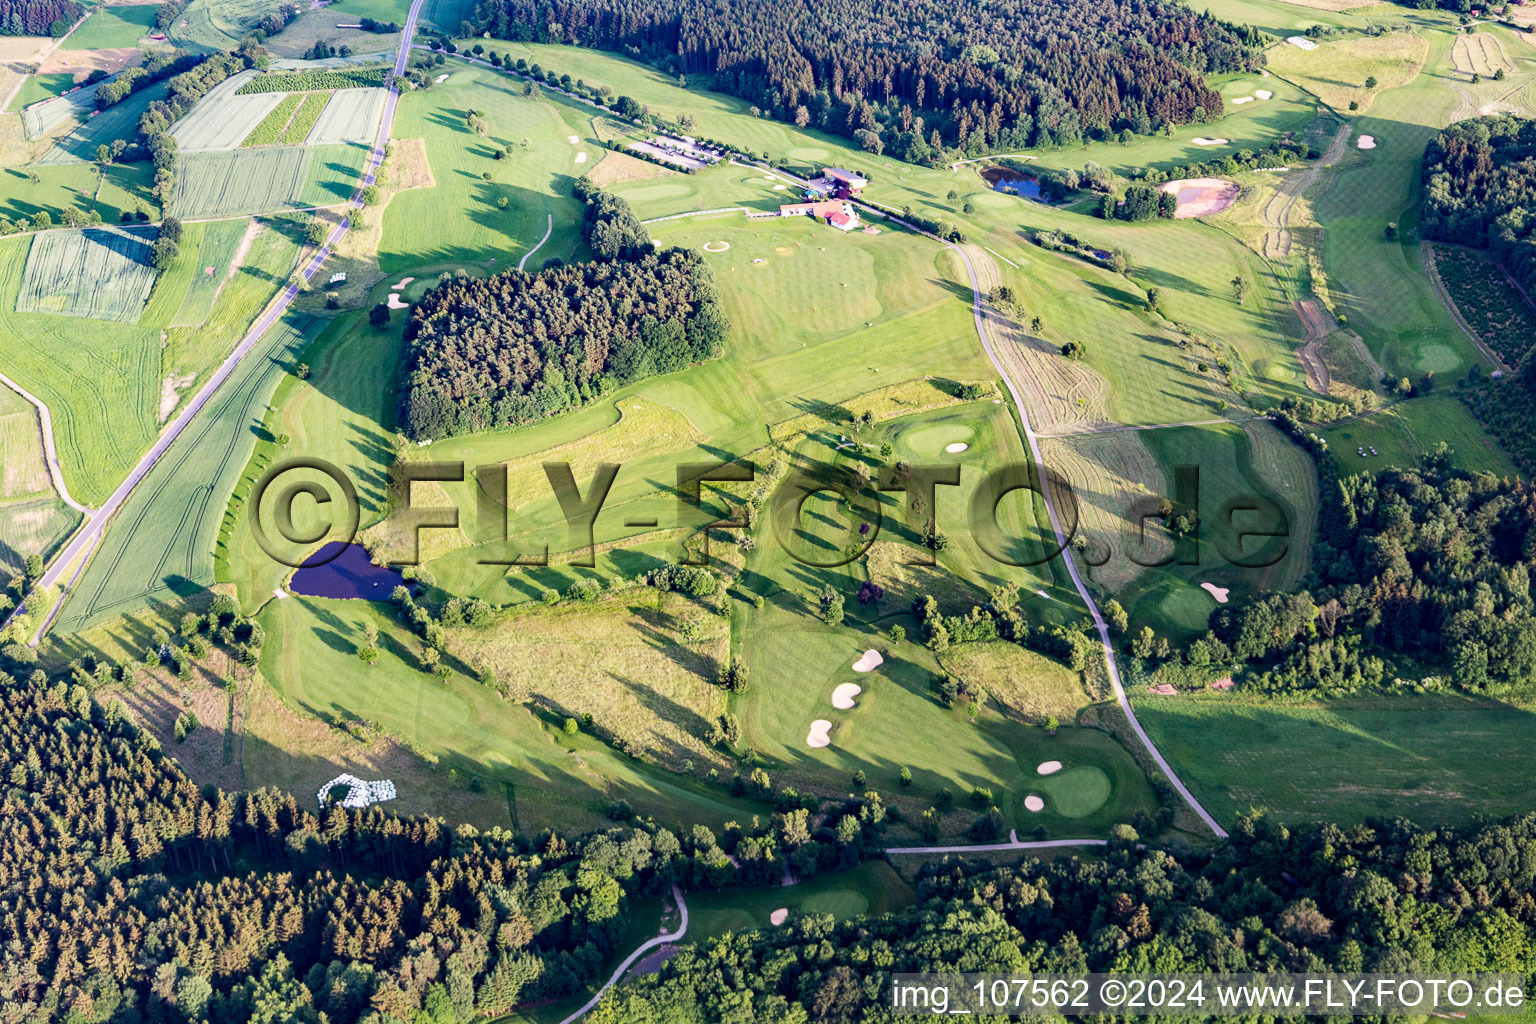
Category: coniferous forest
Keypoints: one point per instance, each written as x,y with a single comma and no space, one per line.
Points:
1480,190
912,79
515,348
37,17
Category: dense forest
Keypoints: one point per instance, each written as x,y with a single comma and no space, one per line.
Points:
37,17
1480,190
514,348
915,78
1389,898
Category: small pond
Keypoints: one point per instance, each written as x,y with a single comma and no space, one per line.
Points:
1018,183
346,572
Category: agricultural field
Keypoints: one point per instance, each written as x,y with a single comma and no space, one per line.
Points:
101,384
43,86
297,130
265,180
118,121
217,255
33,521
314,81
1431,759
352,115
124,188
272,126
1479,53
1337,70
217,24
1489,302
319,26
222,119
45,117
104,273
33,527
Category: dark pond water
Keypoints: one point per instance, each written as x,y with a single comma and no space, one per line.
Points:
347,573
1017,183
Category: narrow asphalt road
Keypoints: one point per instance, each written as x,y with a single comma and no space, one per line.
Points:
97,521
640,950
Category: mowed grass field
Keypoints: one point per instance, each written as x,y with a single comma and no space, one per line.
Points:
1336,71
1437,760
109,27
1404,432
459,221
59,187
870,889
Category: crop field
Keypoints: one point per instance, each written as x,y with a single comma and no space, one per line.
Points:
272,125
1478,53
447,15
1336,71
216,245
352,115
319,26
1404,432
315,81
1431,759
103,273
222,119
33,527
42,86
161,546
1487,300
265,180
304,119
118,121
114,26
100,384
45,117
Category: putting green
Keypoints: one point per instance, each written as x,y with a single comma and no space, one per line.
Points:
1076,792
1439,358
1187,605
840,903
931,440
1272,370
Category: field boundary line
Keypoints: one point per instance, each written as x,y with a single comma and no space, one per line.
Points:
640,950
547,232
1000,256
50,453
97,522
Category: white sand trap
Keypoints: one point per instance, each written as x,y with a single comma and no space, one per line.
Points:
1219,593
581,158
1048,767
819,736
1263,94
868,661
778,188
1366,142
573,139
441,78
842,697
1034,804
956,448
716,246
779,916
1241,100
280,594
1201,197
401,283
1209,142
395,302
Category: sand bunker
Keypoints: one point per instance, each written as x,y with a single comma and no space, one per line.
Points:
1201,197
280,594
1034,804
1366,142
842,697
401,283
441,78
581,158
1219,593
1048,767
1199,141
868,661
956,448
779,916
716,246
573,139
1241,100
395,302
819,736
778,188
1263,94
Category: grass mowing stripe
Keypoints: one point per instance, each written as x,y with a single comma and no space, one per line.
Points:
270,129
308,113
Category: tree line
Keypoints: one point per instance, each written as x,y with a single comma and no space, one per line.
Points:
921,81
1378,897
514,348
37,17
1480,190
